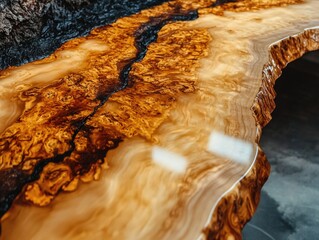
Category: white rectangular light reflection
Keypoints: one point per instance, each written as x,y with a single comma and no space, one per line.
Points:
232,148
170,160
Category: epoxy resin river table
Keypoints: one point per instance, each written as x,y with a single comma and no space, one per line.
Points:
148,128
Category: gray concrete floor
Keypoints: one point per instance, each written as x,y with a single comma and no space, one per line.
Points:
289,207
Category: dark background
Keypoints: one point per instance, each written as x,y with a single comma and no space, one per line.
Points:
289,207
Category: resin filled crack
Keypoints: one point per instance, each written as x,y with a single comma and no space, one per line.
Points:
152,109
16,178
42,26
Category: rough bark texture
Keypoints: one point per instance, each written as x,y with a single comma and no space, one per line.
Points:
30,29
167,81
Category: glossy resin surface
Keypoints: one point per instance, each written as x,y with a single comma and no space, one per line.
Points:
148,128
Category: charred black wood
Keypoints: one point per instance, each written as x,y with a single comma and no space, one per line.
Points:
32,29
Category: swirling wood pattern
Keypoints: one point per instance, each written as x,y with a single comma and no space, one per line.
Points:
163,108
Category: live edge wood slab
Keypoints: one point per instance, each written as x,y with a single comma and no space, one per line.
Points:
148,128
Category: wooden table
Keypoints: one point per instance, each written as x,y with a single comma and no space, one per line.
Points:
148,128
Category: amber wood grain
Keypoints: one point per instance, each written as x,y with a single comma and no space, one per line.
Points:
116,137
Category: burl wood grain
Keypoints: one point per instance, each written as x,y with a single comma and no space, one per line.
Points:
242,208
152,123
